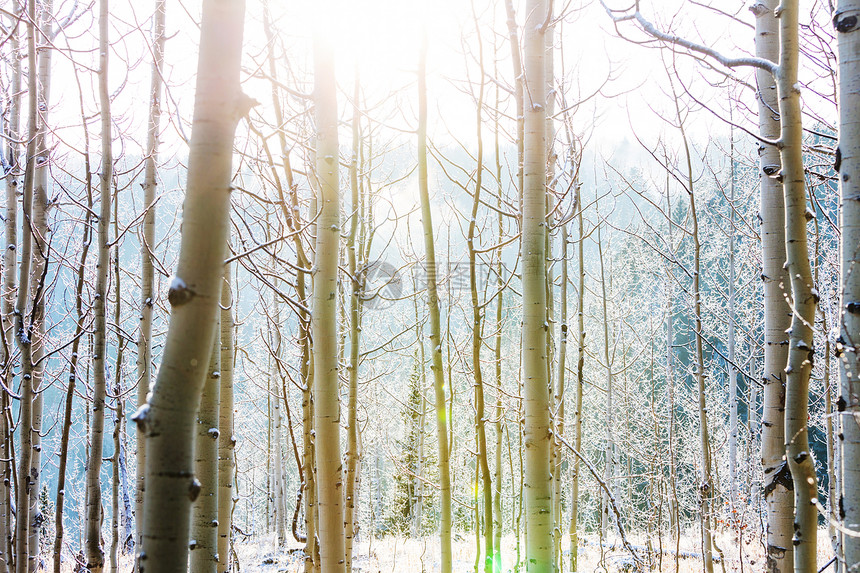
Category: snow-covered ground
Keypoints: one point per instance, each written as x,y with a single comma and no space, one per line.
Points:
400,555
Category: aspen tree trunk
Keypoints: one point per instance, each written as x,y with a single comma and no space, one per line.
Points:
312,490
352,445
846,20
115,461
118,393
734,510
538,494
418,484
477,339
435,323
560,399
7,318
777,487
270,472
309,464
327,407
226,440
674,511
169,417
126,510
86,242
24,321
801,353
312,497
204,518
556,407
706,485
833,469
147,274
580,365
519,83
609,446
95,512
277,456
499,413
38,271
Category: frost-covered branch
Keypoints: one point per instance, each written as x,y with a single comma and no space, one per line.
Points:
654,32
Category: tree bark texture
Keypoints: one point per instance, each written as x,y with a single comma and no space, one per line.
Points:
226,440
777,487
538,492
324,320
169,416
147,274
848,345
801,353
204,518
445,523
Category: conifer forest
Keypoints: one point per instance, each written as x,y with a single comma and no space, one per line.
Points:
414,286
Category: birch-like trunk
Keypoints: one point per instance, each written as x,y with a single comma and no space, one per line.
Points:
24,320
538,491
486,489
10,285
226,440
277,455
609,443
324,321
497,358
147,274
706,483
777,487
801,352
559,401
41,232
204,518
118,409
580,366
168,418
435,322
353,254
95,513
848,345
734,510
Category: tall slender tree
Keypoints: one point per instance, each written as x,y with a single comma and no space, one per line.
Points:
147,245
12,169
777,487
442,417
226,441
477,326
354,252
95,512
24,317
846,23
327,406
538,493
804,295
168,418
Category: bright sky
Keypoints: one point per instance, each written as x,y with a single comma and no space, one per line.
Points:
382,38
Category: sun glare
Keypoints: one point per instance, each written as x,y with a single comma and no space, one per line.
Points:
382,38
